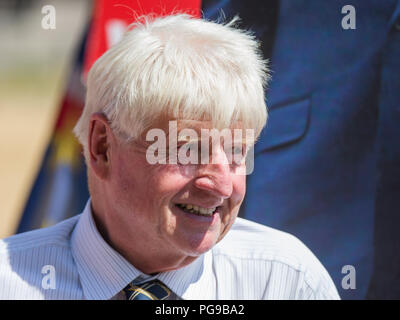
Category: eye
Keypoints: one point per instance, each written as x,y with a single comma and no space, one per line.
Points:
238,150
235,153
188,153
188,147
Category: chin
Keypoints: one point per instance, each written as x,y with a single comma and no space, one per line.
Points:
196,247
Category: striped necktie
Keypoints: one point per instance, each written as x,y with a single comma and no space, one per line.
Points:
151,290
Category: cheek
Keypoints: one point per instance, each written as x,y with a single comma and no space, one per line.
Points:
238,193
169,180
239,188
126,191
129,183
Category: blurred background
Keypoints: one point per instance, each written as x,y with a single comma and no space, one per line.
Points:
35,64
327,166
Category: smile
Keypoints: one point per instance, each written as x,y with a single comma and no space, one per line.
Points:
189,208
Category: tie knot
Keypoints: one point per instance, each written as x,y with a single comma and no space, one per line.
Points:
151,290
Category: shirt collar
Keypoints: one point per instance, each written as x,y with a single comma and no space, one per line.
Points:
104,272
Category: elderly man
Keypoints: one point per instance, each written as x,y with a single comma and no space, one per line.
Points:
165,190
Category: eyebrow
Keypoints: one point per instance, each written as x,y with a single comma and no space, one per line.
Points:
186,138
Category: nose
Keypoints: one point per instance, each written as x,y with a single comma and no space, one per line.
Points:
215,177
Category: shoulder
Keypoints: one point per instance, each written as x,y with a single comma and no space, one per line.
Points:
274,255
251,240
26,258
58,234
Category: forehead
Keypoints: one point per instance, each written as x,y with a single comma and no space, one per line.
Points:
190,130
165,123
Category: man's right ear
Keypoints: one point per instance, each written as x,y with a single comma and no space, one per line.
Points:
100,136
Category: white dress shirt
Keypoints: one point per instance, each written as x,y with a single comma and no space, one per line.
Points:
71,260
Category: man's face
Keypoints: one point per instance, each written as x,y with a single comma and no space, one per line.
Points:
179,208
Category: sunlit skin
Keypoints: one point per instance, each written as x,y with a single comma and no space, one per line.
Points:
134,202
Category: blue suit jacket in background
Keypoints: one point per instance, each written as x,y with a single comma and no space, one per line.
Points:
327,167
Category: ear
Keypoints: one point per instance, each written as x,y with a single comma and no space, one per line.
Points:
100,142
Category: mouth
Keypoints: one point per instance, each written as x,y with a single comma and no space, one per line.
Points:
197,210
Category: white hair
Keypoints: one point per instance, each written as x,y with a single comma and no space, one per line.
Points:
180,67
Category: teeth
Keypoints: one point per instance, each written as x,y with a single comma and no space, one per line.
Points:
197,210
